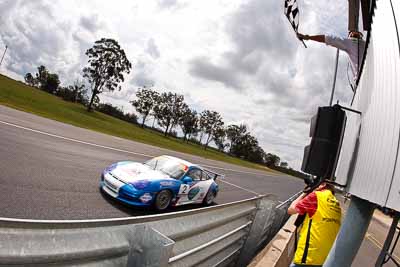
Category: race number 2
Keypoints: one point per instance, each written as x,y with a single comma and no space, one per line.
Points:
184,189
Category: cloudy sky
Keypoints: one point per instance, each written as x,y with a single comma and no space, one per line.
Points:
238,57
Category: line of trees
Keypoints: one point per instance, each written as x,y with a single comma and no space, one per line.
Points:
170,111
107,64
50,83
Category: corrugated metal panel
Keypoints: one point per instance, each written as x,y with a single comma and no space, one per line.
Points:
377,98
394,193
348,152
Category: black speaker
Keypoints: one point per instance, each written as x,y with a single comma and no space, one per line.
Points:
326,130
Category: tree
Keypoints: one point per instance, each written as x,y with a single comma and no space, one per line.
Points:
179,107
79,92
107,64
284,164
272,159
210,121
45,80
145,102
233,133
51,83
256,154
188,122
168,110
219,136
30,80
41,76
244,145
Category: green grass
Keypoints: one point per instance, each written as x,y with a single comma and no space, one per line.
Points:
22,97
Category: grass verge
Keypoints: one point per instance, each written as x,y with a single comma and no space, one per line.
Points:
17,95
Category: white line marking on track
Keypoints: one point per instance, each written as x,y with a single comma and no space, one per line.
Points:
253,192
75,140
119,150
225,169
115,149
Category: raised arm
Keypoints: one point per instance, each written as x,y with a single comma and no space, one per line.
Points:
292,210
317,38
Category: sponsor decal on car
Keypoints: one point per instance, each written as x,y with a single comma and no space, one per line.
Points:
167,183
193,192
146,198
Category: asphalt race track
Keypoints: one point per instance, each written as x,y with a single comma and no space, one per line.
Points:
50,170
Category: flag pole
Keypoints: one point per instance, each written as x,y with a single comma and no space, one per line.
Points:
334,77
1,61
303,43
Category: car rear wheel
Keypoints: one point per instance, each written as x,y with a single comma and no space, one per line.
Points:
209,199
163,199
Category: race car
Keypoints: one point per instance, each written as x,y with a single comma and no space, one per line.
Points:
160,182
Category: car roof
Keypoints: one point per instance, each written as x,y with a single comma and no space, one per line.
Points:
187,163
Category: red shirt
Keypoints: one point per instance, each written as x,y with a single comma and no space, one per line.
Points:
308,205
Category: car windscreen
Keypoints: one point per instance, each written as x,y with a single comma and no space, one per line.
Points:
168,166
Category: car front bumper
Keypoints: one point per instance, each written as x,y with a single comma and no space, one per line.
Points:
127,193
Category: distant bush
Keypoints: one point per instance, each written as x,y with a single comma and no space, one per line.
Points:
66,94
194,140
131,117
173,133
116,112
73,94
289,171
156,129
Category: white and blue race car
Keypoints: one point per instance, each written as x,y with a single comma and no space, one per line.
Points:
160,182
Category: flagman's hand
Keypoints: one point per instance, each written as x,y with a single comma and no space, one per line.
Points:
303,36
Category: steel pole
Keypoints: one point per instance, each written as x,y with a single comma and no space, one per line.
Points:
334,77
381,259
1,61
354,10
351,233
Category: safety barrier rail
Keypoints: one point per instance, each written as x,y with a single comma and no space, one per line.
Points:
222,235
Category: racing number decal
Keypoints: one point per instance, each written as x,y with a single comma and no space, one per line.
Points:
183,189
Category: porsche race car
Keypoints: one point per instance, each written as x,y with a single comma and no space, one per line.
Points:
160,182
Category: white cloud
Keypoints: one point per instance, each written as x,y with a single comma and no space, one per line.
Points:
240,58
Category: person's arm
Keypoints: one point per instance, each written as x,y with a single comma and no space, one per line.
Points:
305,203
292,208
317,38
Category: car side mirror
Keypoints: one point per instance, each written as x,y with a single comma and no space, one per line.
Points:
187,180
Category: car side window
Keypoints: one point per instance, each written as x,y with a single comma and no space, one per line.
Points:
205,176
195,174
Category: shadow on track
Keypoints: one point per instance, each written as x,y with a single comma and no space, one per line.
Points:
143,211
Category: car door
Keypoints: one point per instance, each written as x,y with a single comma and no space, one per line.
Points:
197,189
190,192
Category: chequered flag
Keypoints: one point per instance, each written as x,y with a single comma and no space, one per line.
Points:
292,13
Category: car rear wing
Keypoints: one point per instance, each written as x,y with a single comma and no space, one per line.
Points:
214,175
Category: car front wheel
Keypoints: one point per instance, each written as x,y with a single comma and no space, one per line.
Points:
163,199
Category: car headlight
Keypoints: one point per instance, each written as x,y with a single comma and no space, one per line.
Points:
111,167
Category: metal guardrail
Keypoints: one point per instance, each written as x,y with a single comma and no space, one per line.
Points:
290,200
223,235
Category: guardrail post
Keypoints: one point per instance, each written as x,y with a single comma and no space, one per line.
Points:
264,208
149,247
